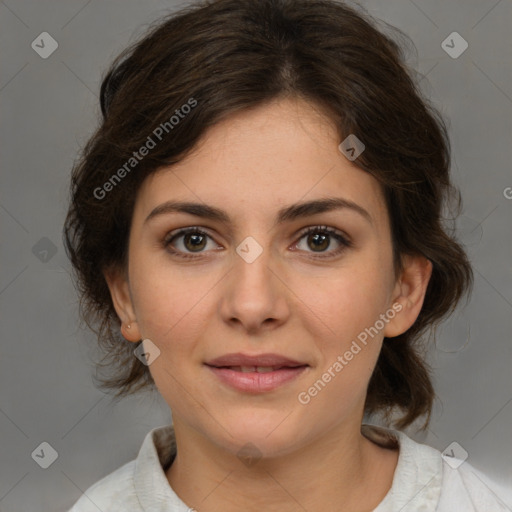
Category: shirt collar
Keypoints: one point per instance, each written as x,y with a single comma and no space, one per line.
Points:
416,482
151,485
418,475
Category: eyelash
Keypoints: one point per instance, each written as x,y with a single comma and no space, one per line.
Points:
344,241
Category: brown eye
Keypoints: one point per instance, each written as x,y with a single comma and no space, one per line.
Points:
319,239
194,242
185,242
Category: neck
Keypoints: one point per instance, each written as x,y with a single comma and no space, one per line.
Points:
341,471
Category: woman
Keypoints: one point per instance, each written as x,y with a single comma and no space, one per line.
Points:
262,206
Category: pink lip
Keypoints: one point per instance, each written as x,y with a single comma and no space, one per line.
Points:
253,381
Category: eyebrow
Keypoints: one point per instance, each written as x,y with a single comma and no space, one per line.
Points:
286,214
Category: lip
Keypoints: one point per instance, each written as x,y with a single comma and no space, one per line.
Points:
253,381
240,359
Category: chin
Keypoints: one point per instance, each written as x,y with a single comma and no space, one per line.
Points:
265,434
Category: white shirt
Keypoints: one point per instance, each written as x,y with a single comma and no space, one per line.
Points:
423,480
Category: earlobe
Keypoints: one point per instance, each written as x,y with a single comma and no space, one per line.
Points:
409,294
131,331
120,293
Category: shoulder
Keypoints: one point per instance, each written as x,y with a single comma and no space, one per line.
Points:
456,484
115,492
425,479
464,488
138,485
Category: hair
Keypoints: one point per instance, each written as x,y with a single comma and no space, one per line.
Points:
234,55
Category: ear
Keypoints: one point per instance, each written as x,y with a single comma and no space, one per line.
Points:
409,293
119,288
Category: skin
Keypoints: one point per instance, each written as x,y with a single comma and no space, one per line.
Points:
290,300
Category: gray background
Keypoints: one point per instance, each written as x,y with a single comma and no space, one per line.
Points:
48,109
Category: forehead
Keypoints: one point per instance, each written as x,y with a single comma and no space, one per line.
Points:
259,160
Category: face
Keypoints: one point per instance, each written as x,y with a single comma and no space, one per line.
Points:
258,305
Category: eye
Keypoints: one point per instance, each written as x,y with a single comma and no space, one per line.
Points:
191,242
318,239
185,242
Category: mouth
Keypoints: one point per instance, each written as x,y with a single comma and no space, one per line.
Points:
255,374
240,360
258,369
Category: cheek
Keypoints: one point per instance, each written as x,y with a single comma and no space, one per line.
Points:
168,300
173,312
348,335
347,302
347,342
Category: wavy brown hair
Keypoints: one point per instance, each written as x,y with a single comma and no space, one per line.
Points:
232,55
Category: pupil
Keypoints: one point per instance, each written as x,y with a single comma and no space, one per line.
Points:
197,241
322,239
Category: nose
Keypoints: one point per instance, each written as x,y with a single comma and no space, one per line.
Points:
254,296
